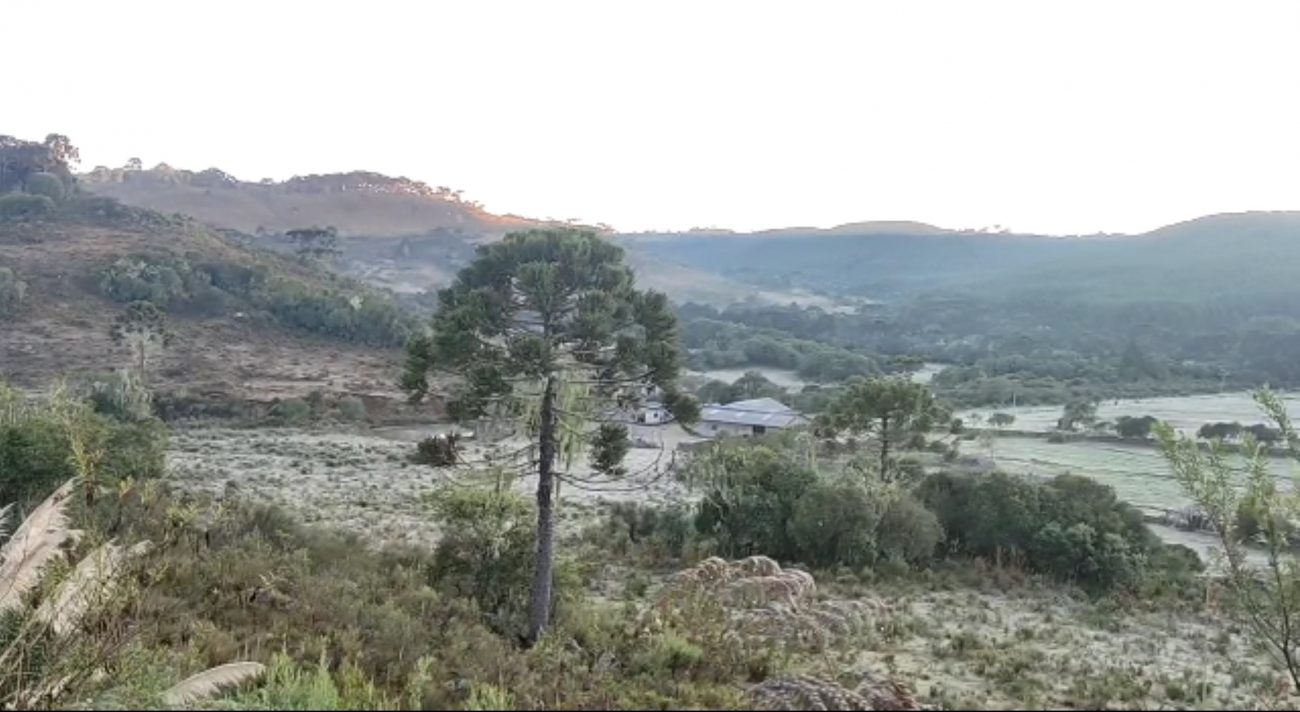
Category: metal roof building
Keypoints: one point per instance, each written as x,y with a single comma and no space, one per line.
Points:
753,416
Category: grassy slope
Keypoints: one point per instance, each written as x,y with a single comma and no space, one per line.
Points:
394,235
62,328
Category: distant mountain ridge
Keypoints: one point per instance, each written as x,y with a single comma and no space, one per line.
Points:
357,203
892,260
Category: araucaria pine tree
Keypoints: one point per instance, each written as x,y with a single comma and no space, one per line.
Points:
547,325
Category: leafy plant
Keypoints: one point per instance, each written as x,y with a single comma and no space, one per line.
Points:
1268,597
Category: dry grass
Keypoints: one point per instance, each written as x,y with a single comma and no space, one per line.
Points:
61,330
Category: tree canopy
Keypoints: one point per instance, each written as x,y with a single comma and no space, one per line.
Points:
547,326
891,409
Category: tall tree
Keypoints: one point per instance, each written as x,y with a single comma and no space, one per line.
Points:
548,325
891,409
143,329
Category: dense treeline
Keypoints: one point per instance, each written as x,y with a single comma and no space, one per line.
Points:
766,496
1031,354
718,344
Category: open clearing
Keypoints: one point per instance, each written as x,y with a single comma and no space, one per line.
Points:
362,480
962,642
1185,413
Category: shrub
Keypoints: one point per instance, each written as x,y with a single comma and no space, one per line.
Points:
1070,527
17,206
122,396
352,409
437,450
12,291
47,185
908,531
834,523
486,553
36,453
293,411
662,532
750,498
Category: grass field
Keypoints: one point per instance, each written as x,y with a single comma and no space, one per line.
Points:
1185,413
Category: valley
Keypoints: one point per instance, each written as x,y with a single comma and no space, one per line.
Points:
350,417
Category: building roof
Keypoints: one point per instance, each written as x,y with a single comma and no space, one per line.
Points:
766,412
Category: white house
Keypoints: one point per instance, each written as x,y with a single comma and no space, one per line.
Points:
749,417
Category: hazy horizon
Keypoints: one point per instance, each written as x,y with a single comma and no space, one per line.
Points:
1057,119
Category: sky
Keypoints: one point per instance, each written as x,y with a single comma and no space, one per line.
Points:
1054,117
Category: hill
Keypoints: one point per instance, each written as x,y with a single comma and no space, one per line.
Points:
358,203
395,233
895,260
249,324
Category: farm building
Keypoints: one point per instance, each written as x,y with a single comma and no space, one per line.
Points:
749,417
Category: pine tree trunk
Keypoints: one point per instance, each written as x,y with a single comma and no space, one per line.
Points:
543,569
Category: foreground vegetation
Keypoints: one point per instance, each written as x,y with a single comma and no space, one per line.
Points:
934,591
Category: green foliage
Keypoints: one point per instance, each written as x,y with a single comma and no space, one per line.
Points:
1078,414
123,396
894,410
1069,527
833,524
315,243
751,384
1001,420
750,499
485,554
487,697
1257,512
719,344
142,327
1131,427
352,409
47,185
437,450
12,292
908,531
20,160
21,206
609,445
175,282
36,446
291,412
1220,431
657,533
547,325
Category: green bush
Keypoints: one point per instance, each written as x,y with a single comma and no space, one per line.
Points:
908,531
352,409
36,452
122,396
1070,527
660,532
486,554
834,524
293,411
437,450
33,460
17,206
750,499
47,185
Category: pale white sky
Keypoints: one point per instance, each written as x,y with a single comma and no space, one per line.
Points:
1053,116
